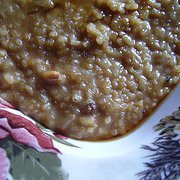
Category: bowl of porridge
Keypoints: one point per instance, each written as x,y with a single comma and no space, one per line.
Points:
89,70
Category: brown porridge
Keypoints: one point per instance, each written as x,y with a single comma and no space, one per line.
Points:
88,69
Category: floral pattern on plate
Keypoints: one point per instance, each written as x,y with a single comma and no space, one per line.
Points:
28,150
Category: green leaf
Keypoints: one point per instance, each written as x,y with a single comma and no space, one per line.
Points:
49,133
62,141
30,164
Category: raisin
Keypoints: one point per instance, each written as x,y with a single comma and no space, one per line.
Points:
89,108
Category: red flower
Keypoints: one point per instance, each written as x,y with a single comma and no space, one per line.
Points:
24,131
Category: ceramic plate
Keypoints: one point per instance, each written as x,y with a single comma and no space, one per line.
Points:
152,151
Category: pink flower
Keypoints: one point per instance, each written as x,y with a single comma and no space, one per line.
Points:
3,133
4,103
24,131
4,165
